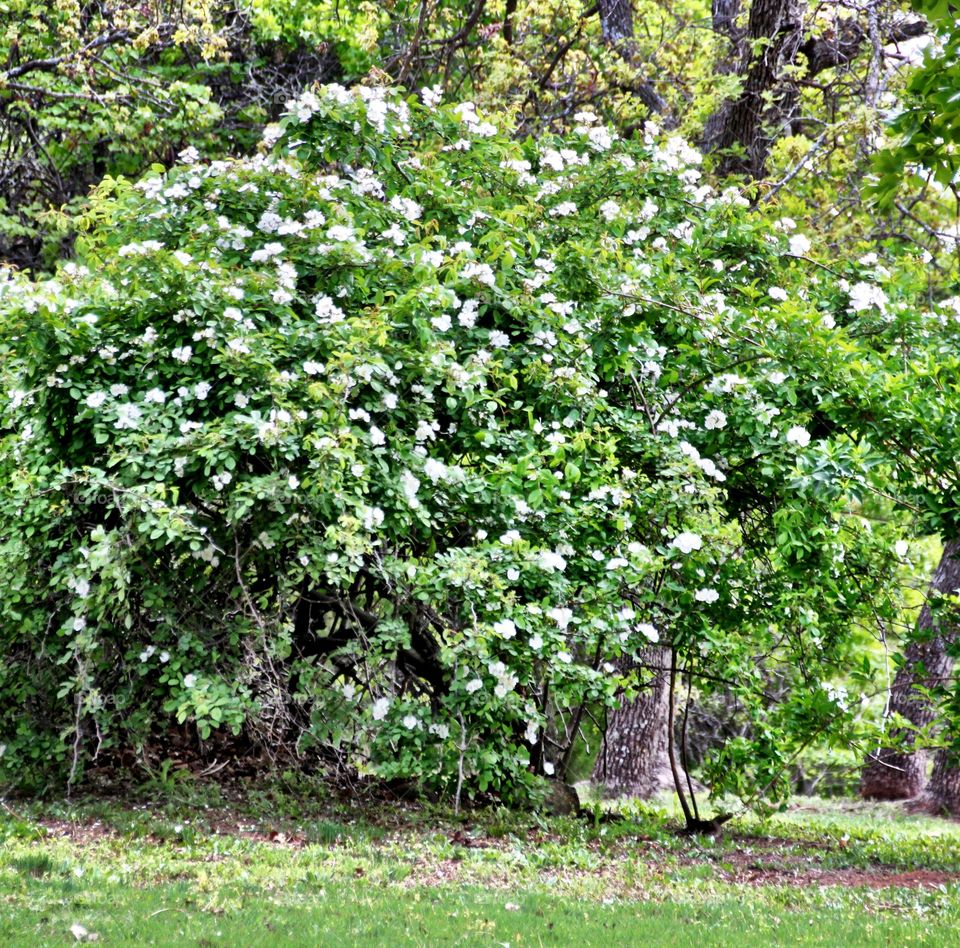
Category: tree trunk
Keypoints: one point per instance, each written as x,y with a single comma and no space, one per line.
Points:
633,758
616,27
766,106
616,20
725,13
895,775
942,795
773,34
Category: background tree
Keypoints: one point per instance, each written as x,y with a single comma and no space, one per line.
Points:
89,91
901,773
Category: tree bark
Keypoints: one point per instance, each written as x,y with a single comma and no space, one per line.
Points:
747,125
616,27
773,32
724,15
895,775
616,20
633,758
942,795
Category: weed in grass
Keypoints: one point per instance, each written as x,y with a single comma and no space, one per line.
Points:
33,864
326,832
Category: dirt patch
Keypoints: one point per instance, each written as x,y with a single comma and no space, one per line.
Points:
87,832
875,878
770,861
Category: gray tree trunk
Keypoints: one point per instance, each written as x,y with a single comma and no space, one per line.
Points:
774,32
942,795
633,758
616,27
895,775
616,20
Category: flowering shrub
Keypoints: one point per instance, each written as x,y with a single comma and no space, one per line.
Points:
393,440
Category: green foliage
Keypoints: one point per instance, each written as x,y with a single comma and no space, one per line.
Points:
88,92
927,122
391,443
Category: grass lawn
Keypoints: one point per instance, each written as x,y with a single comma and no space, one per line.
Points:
196,872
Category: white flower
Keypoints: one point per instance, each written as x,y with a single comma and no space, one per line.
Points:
687,542
564,657
551,562
189,681
475,685
716,419
706,595
530,735
327,311
410,485
431,96
293,482
434,469
181,353
561,615
164,657
340,233
128,416
410,722
799,436
147,653
648,631
865,295
548,768
441,730
536,642
505,628
481,272
372,517
901,547
777,293
610,210
799,245
349,690
467,317
377,437
564,209
600,138
380,708
406,208
156,395
95,399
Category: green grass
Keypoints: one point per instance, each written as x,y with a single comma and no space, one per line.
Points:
326,874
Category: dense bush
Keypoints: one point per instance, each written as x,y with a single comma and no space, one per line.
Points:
389,442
